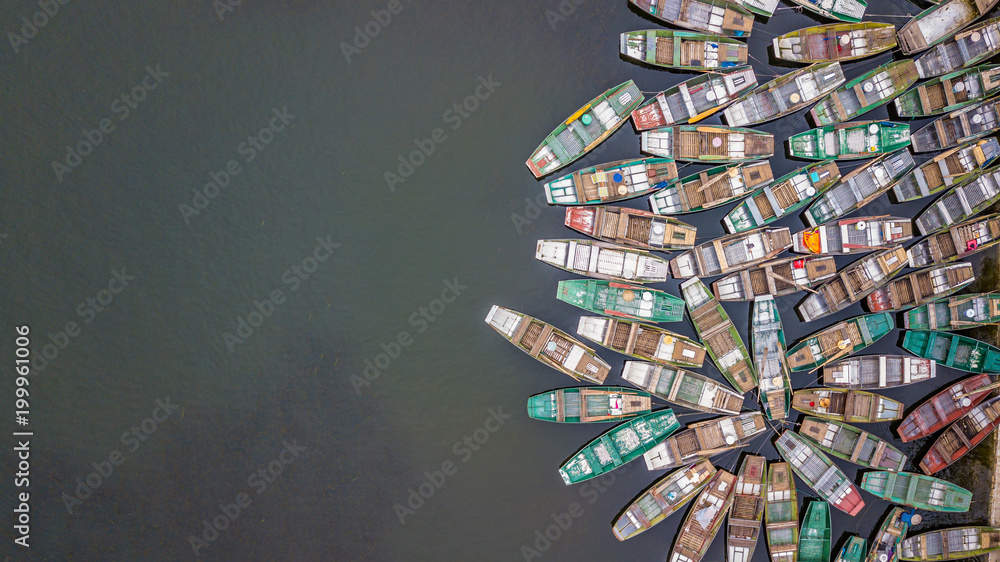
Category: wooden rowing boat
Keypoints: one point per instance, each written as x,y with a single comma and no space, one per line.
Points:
707,144
777,278
633,302
860,186
683,50
958,241
937,23
821,474
851,444
601,260
683,388
950,92
589,404
955,543
972,46
814,540
710,16
710,188
665,497
694,99
873,372
785,94
966,124
955,313
962,436
872,89
917,490
947,169
853,283
768,340
612,182
971,197
731,253
943,408
704,439
919,287
618,446
885,546
704,519
631,228
642,341
835,42
747,510
953,350
840,340
846,405
721,338
850,141
781,514
855,235
782,197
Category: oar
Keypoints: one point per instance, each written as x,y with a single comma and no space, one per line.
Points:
722,175
789,281
978,390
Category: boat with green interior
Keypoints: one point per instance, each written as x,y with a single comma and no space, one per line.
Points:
835,42
589,404
722,339
850,141
683,388
619,445
955,543
814,539
840,340
866,92
610,298
683,50
853,551
953,350
781,513
955,313
910,489
851,444
782,197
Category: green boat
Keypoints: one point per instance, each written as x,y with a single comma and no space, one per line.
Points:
853,551
707,144
622,300
619,445
866,92
721,338
835,42
950,92
851,444
585,129
850,141
710,188
665,497
917,490
952,350
782,197
781,513
683,50
709,16
589,404
850,11
972,46
683,388
956,313
947,169
611,182
768,341
840,340
885,546
956,543
814,539
966,200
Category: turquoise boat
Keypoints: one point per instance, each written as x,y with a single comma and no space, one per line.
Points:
622,300
917,490
621,444
814,539
589,404
952,350
850,141
853,551
840,340
782,197
950,92
955,313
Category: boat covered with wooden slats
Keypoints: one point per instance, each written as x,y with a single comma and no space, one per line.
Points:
873,372
854,235
917,490
612,182
704,519
840,340
968,199
631,227
731,253
747,511
846,405
835,42
851,444
694,99
683,388
720,336
710,16
619,445
665,497
853,283
966,48
642,341
821,474
953,350
962,436
919,287
866,92
683,50
969,123
955,543
768,340
859,187
955,313
704,439
885,544
782,197
950,92
937,23
602,260
589,404
711,188
785,94
778,278
947,169
850,141
707,143
943,408
781,514
633,302
957,242
548,344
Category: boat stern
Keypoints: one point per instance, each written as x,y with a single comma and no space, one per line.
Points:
565,477
683,266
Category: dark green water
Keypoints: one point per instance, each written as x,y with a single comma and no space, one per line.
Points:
246,398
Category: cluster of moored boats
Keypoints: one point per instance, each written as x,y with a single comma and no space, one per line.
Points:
624,313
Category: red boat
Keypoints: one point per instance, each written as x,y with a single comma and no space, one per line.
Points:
962,436
943,408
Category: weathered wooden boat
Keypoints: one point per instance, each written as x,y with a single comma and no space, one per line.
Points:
846,405
665,497
956,543
601,260
710,188
962,436
950,92
852,444
710,16
631,227
731,253
683,50
704,519
959,241
683,388
919,287
785,94
761,7
821,474
612,182
955,313
969,123
707,143
835,42
619,445
872,372
781,515
859,187
970,47
589,404
850,11
642,341
866,92
633,302
588,127
943,408
783,196
768,340
549,344
968,199
953,350
853,283
947,169
853,551
780,277
850,141
854,235
814,540
694,99
910,489
885,545
937,23
704,439
843,338
720,336
747,510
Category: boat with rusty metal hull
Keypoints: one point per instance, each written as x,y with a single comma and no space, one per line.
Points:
971,197
846,405
710,188
707,144
966,124
853,235
747,511
683,388
588,127
642,341
917,490
874,372
860,187
835,42
612,182
720,336
683,50
704,439
944,408
782,197
840,340
548,344
618,446
776,278
632,228
704,519
695,99
601,260
710,16
937,23
850,141
957,242
955,313
962,436
851,444
974,45
589,404
821,474
664,498
853,283
731,253
785,94
768,340
919,287
781,514
954,543
872,89
950,92
947,169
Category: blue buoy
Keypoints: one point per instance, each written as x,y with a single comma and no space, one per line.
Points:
618,177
